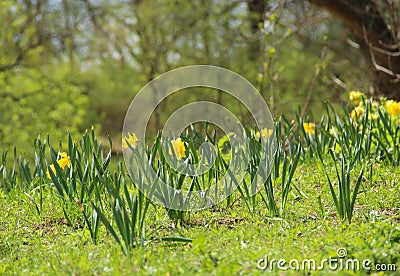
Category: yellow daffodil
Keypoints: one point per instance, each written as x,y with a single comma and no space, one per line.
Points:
130,140
355,96
309,128
357,112
179,148
63,162
265,133
393,107
374,117
53,169
332,131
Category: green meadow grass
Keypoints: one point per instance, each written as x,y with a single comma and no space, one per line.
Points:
333,186
224,241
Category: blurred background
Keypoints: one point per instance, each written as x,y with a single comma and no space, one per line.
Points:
70,65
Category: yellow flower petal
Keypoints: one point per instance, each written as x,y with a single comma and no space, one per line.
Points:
355,96
53,169
393,107
130,140
179,148
64,162
265,133
374,117
309,128
357,112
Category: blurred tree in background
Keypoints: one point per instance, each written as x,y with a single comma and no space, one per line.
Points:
68,65
375,27
38,91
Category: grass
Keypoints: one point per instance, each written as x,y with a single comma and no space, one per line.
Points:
223,241
333,185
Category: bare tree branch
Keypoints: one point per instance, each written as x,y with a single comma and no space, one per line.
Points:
377,41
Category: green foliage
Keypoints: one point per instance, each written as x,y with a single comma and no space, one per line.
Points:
55,247
33,103
71,64
85,61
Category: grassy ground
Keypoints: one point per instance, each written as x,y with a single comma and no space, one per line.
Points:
331,203
226,241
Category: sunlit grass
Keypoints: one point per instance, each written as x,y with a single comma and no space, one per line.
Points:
336,175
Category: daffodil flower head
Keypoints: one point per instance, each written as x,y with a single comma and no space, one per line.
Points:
357,112
393,107
265,133
356,96
309,128
373,117
131,140
63,161
179,148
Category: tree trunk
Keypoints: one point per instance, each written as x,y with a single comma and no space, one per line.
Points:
378,44
257,10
